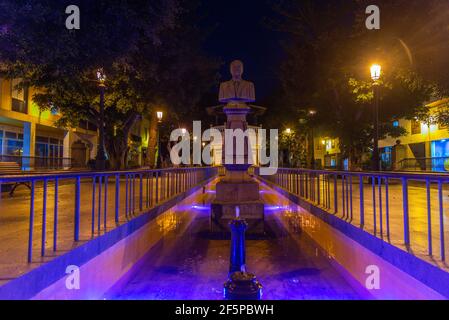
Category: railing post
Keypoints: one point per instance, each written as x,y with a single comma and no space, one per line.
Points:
140,192
442,245
379,181
94,183
55,218
77,208
405,209
335,194
429,218
99,203
126,195
105,210
44,218
373,187
157,188
117,197
30,234
362,204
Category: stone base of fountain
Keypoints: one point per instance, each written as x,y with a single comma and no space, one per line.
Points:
223,213
242,286
237,189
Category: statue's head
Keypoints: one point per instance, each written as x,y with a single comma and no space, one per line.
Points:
236,69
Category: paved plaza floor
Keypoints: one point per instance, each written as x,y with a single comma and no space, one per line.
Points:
14,222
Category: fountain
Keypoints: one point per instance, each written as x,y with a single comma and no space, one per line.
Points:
241,285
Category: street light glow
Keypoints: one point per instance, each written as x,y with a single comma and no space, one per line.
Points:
159,115
288,131
376,72
101,76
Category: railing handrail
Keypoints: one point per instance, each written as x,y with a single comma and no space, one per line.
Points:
383,174
34,157
135,192
74,174
334,190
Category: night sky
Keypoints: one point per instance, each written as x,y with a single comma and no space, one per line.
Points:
239,31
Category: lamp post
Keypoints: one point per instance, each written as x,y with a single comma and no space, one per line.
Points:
100,161
312,113
288,132
375,76
159,115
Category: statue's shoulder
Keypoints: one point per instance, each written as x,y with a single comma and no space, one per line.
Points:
248,83
225,83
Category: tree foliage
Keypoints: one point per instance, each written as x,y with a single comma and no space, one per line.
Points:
149,50
329,53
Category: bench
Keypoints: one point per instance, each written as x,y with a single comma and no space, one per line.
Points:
11,168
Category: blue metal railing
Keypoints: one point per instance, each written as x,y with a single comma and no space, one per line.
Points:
387,212
435,164
141,190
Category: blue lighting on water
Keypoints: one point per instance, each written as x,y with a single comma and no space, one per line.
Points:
276,208
273,208
200,207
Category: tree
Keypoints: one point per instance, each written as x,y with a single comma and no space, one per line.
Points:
146,49
327,68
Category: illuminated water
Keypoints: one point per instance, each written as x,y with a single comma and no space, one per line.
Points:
194,264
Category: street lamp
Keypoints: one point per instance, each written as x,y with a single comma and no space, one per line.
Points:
375,72
288,132
159,116
375,76
100,161
312,113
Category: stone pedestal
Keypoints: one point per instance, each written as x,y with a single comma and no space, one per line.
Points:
242,286
237,188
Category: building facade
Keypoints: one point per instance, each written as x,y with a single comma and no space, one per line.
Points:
29,137
424,147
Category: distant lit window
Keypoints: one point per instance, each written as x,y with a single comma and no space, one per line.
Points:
13,143
19,97
48,147
396,123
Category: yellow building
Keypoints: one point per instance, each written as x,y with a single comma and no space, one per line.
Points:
423,148
30,137
327,153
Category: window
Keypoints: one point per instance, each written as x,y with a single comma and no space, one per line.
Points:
416,127
19,97
13,143
47,147
386,156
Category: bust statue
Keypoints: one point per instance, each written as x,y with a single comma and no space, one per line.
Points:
236,89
